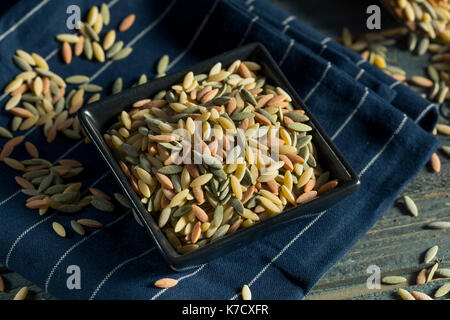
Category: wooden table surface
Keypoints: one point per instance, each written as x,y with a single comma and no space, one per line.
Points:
397,242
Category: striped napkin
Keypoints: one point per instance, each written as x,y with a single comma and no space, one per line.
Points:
381,126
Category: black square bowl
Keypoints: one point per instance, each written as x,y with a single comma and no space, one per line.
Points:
98,116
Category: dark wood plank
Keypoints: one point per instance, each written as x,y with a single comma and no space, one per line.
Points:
387,292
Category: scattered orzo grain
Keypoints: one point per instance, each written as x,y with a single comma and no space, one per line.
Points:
127,22
166,283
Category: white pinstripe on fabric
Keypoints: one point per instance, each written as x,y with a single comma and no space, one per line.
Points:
360,62
112,3
396,83
385,146
350,117
10,197
194,38
324,45
286,53
23,234
286,27
287,20
424,111
51,54
30,131
359,75
78,243
70,150
250,25
325,40
25,18
324,74
187,268
3,96
106,278
322,50
99,179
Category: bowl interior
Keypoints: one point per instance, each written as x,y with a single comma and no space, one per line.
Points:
97,117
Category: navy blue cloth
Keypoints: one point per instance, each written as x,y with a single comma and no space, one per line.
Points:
5,5
381,126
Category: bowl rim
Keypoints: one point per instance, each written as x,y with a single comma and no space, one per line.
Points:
168,252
